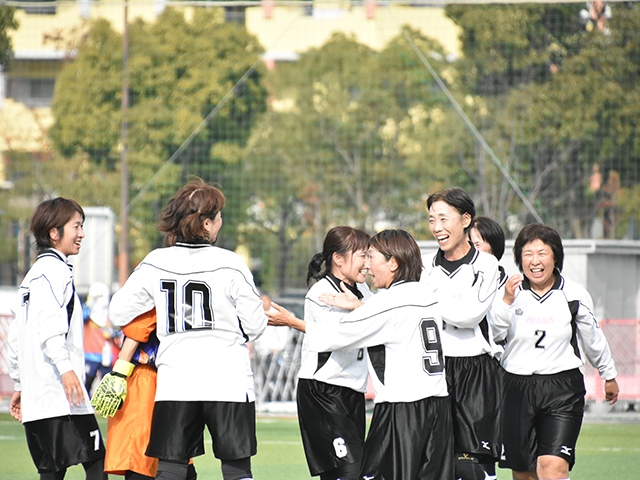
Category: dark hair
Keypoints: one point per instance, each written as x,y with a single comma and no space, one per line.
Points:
52,214
340,240
457,198
548,235
183,217
492,233
400,245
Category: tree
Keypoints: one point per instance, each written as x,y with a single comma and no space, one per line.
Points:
179,71
341,145
7,23
553,101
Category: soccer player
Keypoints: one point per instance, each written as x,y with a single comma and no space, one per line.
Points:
410,432
126,397
47,355
543,316
465,281
207,309
331,385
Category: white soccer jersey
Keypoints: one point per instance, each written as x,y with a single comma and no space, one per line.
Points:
345,368
496,343
542,333
465,295
47,339
401,329
208,308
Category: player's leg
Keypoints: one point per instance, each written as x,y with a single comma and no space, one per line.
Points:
518,426
129,475
176,436
60,442
438,450
237,469
474,389
232,426
168,470
350,471
524,475
562,402
94,470
332,425
53,475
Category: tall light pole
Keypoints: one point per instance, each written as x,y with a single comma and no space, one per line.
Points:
123,257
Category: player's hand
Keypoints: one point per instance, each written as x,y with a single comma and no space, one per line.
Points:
110,394
72,388
279,316
112,389
611,391
345,300
15,406
513,282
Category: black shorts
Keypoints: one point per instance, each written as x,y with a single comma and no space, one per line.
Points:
410,440
542,415
474,388
177,430
59,442
332,424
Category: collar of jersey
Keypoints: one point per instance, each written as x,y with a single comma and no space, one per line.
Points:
451,267
193,245
335,283
557,285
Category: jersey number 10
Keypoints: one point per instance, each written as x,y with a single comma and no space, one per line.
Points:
194,306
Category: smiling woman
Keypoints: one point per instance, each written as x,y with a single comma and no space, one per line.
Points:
401,327
542,317
465,281
46,353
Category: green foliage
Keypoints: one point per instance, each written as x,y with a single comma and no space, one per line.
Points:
179,70
342,144
552,100
7,23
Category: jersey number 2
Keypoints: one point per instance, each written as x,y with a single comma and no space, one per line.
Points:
193,306
433,361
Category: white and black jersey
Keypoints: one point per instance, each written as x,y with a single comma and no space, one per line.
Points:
345,368
497,343
401,328
207,308
47,339
543,333
465,290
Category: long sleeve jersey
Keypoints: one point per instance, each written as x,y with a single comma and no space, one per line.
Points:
401,328
346,368
543,333
465,290
207,309
47,339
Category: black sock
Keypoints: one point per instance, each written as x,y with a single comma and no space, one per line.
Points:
171,470
236,469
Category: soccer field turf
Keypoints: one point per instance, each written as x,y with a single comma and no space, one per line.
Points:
605,451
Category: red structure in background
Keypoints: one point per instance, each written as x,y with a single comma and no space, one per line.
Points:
623,336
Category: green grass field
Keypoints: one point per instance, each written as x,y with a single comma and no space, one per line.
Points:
605,451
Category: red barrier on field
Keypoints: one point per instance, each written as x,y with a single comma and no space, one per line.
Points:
623,336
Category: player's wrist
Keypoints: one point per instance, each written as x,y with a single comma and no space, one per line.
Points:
122,368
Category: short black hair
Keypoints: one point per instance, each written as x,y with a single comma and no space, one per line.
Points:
400,245
457,198
548,235
492,233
